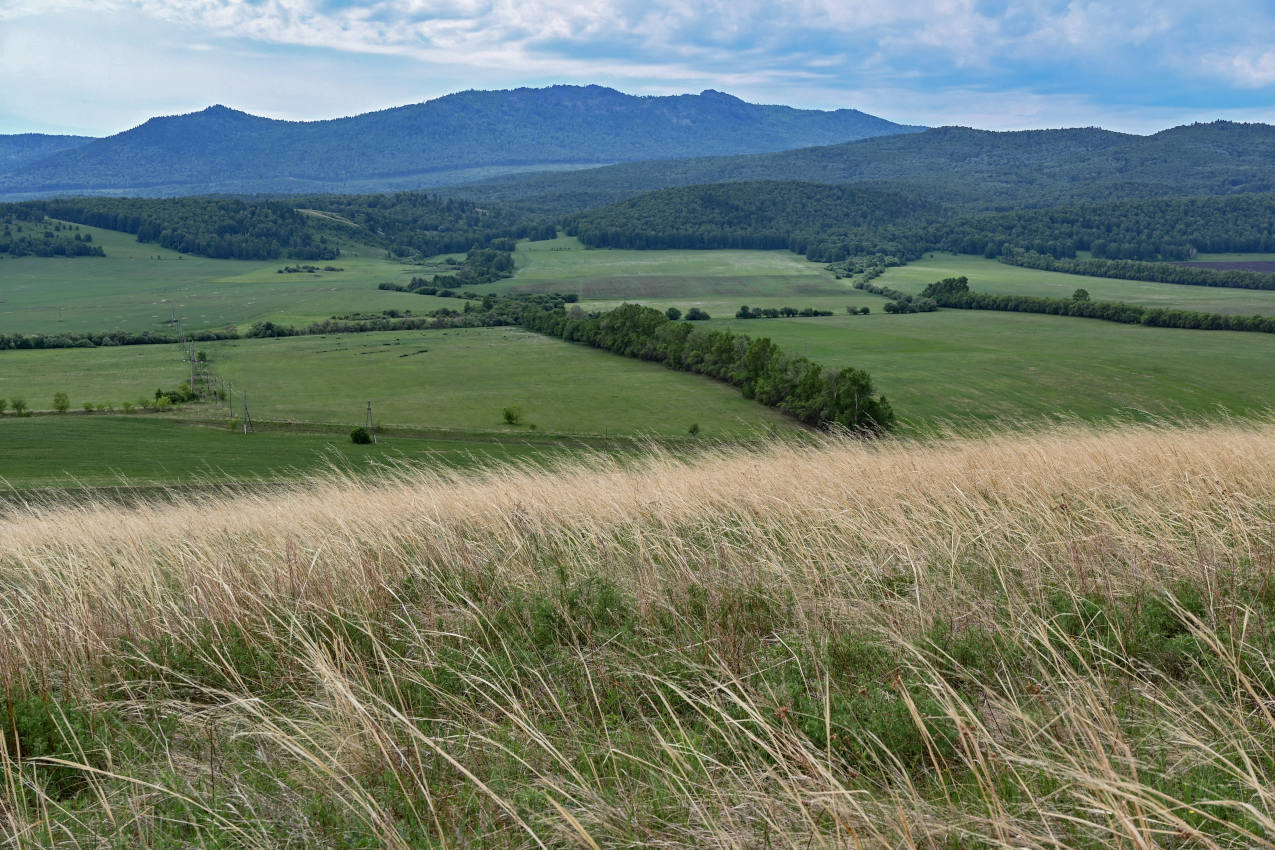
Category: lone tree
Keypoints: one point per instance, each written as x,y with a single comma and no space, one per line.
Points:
61,402
673,313
19,406
1080,295
360,436
512,415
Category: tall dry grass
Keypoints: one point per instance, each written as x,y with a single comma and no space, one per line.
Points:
645,652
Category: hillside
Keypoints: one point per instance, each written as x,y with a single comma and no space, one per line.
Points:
21,150
452,138
1056,639
962,167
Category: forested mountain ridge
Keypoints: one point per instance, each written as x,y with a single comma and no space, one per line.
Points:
444,140
23,149
977,170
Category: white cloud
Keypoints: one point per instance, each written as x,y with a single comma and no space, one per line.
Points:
995,62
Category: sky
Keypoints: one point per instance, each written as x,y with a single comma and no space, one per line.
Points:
97,67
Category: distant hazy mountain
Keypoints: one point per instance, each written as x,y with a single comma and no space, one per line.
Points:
955,166
26,148
461,136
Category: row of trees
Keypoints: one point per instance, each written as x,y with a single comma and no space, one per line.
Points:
746,312
1132,270
762,370
900,302
107,338
955,292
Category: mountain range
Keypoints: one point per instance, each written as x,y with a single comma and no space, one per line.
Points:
957,167
459,137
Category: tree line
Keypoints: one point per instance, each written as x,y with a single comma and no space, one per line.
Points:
1134,270
763,371
307,227
955,293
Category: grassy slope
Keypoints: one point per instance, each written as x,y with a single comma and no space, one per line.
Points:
991,276
464,378
954,364
72,450
130,289
1058,639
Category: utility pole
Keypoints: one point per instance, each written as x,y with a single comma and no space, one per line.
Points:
367,423
247,419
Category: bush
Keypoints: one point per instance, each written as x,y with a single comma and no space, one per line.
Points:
360,436
695,314
60,402
19,406
673,313
512,415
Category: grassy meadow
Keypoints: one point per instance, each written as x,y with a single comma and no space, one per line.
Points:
995,277
139,286
143,450
955,365
1060,638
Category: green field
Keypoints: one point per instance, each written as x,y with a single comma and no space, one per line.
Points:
95,451
139,286
463,379
716,281
454,379
964,364
991,276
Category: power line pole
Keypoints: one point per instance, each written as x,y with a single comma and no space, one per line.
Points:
367,423
247,419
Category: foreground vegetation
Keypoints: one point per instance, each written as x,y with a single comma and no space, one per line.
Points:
1056,639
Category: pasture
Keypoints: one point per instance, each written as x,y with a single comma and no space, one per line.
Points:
139,286
464,378
716,281
956,365
96,450
995,277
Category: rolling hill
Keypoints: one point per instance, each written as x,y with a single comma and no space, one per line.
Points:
956,166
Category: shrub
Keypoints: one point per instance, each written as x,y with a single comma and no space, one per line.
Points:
88,407
695,314
19,406
4,403
673,313
61,402
512,415
360,436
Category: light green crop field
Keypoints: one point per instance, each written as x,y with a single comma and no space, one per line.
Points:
965,364
991,276
716,281
464,378
94,451
140,286
455,379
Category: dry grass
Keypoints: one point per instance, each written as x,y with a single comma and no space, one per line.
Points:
669,652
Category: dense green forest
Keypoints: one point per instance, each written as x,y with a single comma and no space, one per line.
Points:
830,223
824,222
973,170
304,227
762,370
1159,229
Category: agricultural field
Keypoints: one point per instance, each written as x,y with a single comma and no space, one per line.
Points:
464,378
718,282
995,277
139,286
96,451
954,365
